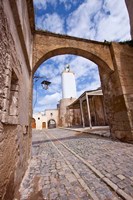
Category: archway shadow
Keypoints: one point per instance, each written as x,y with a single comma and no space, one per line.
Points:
77,136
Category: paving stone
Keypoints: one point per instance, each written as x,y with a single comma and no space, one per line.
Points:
131,178
120,176
115,179
111,162
116,155
129,190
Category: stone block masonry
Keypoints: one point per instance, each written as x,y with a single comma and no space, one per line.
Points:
14,128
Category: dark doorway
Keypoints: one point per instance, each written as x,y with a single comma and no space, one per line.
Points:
51,123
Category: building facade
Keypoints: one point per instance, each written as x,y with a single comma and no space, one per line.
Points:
48,120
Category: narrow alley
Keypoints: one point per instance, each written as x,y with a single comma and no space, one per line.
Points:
71,166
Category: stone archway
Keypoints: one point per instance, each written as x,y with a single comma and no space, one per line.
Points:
51,123
111,59
47,45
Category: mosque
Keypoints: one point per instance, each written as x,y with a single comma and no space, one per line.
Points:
86,111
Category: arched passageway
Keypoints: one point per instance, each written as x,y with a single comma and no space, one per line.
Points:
98,52
51,123
111,60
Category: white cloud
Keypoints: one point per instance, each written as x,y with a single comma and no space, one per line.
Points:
69,4
116,25
49,99
86,73
47,70
97,19
51,22
100,21
87,87
81,66
40,4
79,22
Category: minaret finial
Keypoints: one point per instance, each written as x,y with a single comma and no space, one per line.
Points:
67,68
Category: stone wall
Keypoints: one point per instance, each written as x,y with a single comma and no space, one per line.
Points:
124,61
129,4
73,118
117,88
64,120
97,111
15,136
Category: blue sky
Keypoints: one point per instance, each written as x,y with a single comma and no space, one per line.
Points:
91,19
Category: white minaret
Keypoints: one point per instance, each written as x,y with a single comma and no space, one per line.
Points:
68,83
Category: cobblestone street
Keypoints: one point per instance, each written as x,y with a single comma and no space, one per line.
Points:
67,165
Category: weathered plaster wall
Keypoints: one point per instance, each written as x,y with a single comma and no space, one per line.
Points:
14,105
85,113
55,115
77,117
98,115
63,115
73,118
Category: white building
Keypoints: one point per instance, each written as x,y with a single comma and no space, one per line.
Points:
68,83
68,93
39,121
47,120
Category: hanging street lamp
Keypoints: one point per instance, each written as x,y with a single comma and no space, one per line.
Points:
45,84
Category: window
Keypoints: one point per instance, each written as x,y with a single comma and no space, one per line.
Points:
10,99
13,99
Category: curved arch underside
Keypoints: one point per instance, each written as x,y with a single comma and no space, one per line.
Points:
47,45
115,63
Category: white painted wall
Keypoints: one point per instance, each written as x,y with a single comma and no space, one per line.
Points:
40,118
55,115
